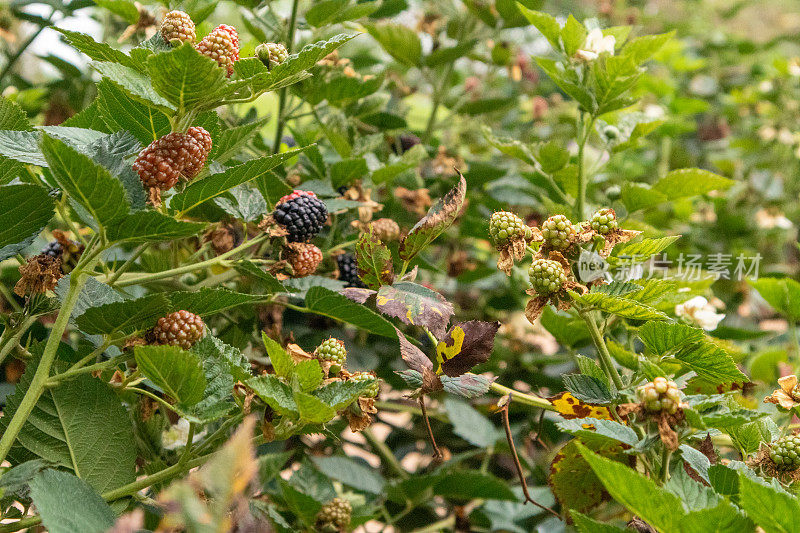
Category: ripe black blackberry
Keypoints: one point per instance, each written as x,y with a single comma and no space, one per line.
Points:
332,350
302,214
180,328
221,45
53,249
165,160
178,26
334,517
348,271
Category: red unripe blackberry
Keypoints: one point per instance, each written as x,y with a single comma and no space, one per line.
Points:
180,328
385,229
165,160
367,377
348,271
221,45
295,194
332,350
178,26
303,258
302,214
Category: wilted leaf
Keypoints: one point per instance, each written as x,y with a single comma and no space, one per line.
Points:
438,219
466,344
415,305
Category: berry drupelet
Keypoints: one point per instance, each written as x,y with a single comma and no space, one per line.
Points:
367,377
785,452
178,27
547,276
558,232
162,163
505,227
604,221
221,45
334,516
333,351
302,214
348,271
660,395
180,328
271,54
303,258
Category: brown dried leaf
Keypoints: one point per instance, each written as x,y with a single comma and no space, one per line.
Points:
438,219
40,274
466,344
414,358
415,305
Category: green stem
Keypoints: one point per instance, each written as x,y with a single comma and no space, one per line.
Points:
187,451
145,278
602,350
438,93
666,455
282,97
521,397
153,397
128,264
40,377
77,370
8,343
583,135
386,454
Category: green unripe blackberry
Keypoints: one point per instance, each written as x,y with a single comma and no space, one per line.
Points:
334,516
332,350
547,276
660,395
604,221
367,377
505,227
785,452
271,54
558,232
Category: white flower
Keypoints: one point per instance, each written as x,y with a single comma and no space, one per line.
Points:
699,312
767,219
175,437
595,45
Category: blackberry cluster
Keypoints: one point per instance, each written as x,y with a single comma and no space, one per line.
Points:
304,259
271,54
334,516
547,276
785,452
53,249
558,232
332,350
178,27
367,377
660,395
302,214
505,227
385,229
604,221
348,271
162,163
221,45
180,328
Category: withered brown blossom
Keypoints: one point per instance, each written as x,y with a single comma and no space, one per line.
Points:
40,274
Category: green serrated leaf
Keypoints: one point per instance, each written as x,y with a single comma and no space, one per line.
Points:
374,261
620,306
174,370
687,182
325,302
67,504
24,212
187,80
400,42
312,409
